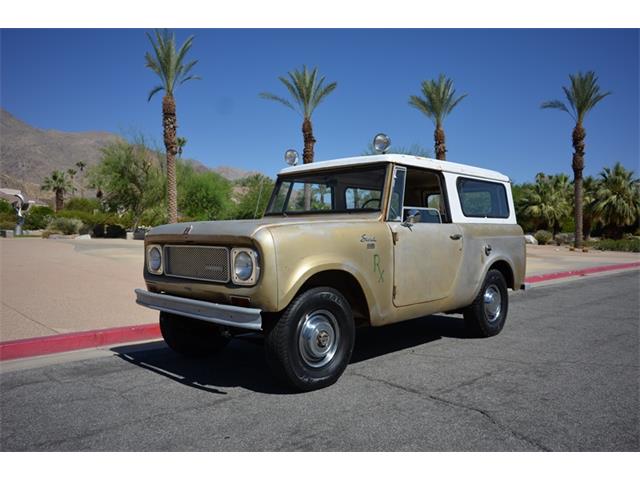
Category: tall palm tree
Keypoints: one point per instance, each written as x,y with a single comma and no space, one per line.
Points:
81,166
547,201
59,184
437,101
583,94
617,200
307,91
168,62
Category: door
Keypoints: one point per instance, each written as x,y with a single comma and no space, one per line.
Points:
427,246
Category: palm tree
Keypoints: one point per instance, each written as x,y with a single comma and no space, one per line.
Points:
60,184
437,101
81,166
168,62
307,91
617,200
582,96
181,142
590,186
547,201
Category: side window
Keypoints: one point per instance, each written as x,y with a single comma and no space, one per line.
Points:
397,194
423,197
479,198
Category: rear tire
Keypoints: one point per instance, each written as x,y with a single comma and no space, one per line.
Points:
190,337
487,314
311,343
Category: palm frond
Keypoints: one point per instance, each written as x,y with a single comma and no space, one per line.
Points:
438,98
271,96
153,91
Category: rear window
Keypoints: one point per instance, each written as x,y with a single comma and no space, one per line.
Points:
479,198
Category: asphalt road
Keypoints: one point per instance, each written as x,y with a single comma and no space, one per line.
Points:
563,375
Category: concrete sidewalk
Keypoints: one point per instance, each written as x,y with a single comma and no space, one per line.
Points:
50,287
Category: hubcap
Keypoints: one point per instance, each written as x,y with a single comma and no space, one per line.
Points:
318,338
492,303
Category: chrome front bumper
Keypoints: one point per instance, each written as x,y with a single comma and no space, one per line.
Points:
227,315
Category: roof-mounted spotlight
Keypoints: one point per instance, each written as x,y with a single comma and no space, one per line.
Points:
381,143
291,157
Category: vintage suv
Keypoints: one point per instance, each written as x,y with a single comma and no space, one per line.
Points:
364,241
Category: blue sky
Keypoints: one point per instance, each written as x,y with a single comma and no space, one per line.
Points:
77,80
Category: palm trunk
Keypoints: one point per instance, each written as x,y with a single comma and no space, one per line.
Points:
59,200
307,156
170,126
440,148
577,164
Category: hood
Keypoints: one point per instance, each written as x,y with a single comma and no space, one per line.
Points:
248,228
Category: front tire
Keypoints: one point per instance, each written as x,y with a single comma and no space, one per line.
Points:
488,312
310,345
190,337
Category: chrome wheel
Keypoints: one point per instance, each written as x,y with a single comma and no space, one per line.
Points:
492,303
318,338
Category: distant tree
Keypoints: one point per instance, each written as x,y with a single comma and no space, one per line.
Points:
307,92
582,96
254,194
168,62
129,177
617,199
72,173
202,195
81,166
59,184
437,101
590,186
181,142
546,201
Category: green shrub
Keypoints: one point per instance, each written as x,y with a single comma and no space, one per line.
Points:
88,218
7,224
6,208
83,204
66,226
543,237
38,217
624,245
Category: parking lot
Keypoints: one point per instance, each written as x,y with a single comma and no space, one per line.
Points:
563,375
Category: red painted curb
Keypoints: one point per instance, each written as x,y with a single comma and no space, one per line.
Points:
579,273
31,347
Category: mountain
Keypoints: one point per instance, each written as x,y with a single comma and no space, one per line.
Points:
29,154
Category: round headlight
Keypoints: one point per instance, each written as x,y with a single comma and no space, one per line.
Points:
291,157
155,259
381,143
243,266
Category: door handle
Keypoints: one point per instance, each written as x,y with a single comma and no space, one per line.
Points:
455,236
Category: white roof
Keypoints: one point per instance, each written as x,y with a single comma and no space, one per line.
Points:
407,160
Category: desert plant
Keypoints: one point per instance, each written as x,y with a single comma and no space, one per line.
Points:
83,204
582,96
543,237
129,177
66,226
437,101
168,62
38,217
620,245
617,199
546,201
59,184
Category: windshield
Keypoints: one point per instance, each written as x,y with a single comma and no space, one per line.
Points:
346,190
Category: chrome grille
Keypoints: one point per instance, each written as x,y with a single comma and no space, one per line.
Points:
197,262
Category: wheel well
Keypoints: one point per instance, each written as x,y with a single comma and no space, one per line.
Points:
505,269
348,286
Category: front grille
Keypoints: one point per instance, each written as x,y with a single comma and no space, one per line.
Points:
197,263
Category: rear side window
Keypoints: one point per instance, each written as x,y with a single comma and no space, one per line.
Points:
479,198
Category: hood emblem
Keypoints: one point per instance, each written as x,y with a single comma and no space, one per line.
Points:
187,230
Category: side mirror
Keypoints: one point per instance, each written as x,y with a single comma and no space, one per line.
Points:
413,216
